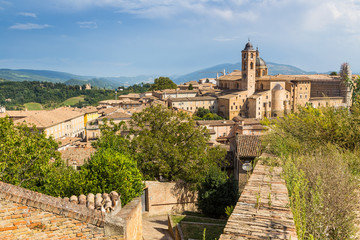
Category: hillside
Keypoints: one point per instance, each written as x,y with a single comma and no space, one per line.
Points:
115,82
72,79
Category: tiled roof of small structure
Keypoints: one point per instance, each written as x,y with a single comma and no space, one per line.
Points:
102,202
248,145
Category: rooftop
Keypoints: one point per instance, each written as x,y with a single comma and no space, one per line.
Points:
46,118
188,99
248,146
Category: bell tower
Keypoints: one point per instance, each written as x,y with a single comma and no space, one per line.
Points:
248,68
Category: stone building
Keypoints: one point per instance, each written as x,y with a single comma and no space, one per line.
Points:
193,103
256,94
58,123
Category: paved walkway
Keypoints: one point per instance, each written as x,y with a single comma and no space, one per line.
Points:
156,228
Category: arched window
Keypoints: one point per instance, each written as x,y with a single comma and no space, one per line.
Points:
261,86
263,72
252,56
245,55
251,65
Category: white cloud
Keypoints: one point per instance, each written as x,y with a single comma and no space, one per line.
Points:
27,14
28,26
343,15
87,24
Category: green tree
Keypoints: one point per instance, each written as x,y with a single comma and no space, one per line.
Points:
205,114
27,157
109,170
217,192
190,87
207,80
168,144
333,74
162,83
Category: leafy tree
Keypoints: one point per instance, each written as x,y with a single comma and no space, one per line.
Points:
216,193
207,80
190,87
27,157
205,114
162,83
168,144
333,74
109,170
355,87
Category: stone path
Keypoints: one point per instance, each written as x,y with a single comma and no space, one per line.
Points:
156,228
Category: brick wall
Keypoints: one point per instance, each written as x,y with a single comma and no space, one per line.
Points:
263,210
18,221
26,214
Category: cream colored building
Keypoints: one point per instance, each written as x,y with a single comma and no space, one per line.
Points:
58,123
174,93
193,103
255,94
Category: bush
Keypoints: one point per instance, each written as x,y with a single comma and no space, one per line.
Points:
108,171
216,193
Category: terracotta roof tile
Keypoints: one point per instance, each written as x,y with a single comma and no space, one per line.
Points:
248,146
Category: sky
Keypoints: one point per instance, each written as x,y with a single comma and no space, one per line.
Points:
175,37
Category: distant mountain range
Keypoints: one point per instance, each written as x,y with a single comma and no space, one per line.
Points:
114,82
274,68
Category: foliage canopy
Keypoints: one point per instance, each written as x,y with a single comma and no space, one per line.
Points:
319,152
162,83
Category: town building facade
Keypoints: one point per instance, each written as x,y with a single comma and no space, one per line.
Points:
258,95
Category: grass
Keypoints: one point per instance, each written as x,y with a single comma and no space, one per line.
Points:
33,106
74,100
195,231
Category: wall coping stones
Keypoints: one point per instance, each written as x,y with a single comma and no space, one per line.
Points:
263,209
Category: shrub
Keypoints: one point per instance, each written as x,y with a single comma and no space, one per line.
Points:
216,193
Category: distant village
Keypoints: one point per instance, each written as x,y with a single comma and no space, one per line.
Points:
243,98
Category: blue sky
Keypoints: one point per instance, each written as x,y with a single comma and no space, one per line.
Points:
165,37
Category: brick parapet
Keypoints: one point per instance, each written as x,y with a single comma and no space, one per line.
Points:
51,204
263,209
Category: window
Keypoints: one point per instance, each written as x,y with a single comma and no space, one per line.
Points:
259,108
267,96
300,96
231,107
243,100
236,107
252,55
305,95
264,104
251,65
233,103
269,104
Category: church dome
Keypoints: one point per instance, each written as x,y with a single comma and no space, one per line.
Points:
260,62
248,46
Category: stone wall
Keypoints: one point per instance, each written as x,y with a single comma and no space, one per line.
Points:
169,197
26,214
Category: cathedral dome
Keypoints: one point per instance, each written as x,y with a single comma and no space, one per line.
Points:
248,46
260,62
